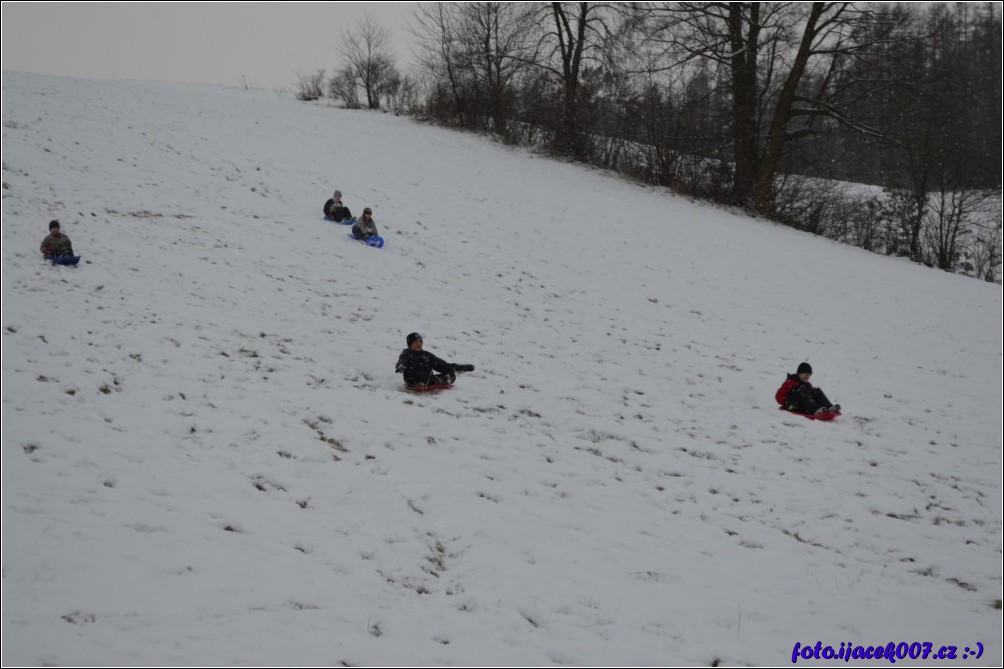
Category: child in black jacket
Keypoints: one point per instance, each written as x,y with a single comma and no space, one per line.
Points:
422,369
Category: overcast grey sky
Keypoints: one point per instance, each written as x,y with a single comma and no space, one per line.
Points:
207,42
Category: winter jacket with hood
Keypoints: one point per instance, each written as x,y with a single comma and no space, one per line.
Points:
790,384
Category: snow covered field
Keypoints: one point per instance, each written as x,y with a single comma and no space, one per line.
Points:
207,457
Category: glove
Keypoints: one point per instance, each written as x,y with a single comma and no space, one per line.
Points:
463,368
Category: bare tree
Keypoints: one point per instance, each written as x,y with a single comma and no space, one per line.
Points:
574,34
962,230
496,38
367,57
766,51
475,53
948,226
985,248
434,29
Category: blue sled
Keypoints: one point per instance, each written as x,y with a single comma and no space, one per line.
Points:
64,260
376,241
344,221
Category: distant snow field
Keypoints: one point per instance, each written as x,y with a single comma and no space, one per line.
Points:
208,458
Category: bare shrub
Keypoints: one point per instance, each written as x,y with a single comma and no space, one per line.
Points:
310,86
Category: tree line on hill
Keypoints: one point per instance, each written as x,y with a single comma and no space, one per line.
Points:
773,107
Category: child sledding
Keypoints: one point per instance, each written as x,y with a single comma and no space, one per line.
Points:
56,247
799,396
335,211
423,371
365,230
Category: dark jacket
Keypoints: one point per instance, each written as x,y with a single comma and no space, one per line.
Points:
802,397
56,246
419,366
336,211
790,384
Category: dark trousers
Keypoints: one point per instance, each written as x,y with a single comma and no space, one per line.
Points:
806,400
433,380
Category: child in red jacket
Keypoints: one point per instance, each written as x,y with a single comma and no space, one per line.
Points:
797,394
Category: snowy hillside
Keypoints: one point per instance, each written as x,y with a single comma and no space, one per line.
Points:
208,459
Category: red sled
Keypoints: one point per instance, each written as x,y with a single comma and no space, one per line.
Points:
825,415
428,389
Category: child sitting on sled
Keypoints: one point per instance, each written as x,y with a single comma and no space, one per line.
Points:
56,244
797,394
365,227
335,211
422,369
